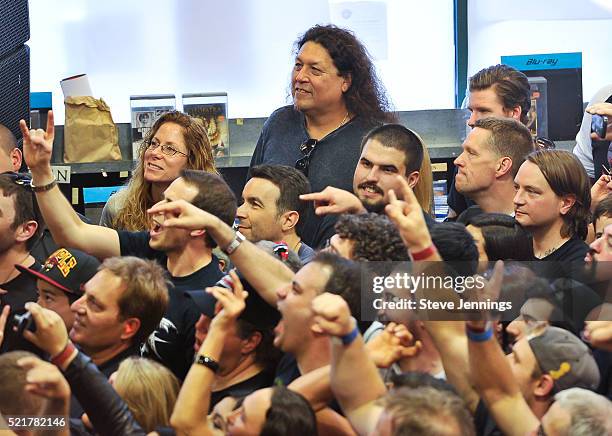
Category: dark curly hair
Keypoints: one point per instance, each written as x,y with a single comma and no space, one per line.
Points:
366,96
375,237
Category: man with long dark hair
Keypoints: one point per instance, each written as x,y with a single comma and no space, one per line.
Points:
337,99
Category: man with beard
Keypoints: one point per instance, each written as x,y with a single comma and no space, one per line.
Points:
387,151
186,255
291,292
18,231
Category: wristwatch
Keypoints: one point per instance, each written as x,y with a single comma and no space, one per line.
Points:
44,188
234,244
208,362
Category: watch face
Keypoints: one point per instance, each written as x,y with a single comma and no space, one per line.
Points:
208,362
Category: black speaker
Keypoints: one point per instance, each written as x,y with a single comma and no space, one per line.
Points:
14,25
15,89
14,64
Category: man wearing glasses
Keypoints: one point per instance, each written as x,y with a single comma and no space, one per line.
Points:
186,255
337,99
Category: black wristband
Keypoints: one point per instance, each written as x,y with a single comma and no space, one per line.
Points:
207,362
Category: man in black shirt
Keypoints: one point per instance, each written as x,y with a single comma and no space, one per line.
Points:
552,202
121,305
187,255
387,151
18,231
248,358
496,91
60,280
492,154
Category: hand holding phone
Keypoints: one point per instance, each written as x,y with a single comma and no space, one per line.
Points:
24,322
601,129
599,125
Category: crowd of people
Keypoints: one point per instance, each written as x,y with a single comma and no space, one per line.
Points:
186,311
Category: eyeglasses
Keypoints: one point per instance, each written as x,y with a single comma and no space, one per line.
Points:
166,149
545,143
306,148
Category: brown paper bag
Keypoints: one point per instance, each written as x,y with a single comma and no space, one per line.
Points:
89,132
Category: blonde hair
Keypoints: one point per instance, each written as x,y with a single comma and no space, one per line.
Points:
423,190
136,198
149,390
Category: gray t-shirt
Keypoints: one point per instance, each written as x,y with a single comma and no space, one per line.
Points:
111,209
332,163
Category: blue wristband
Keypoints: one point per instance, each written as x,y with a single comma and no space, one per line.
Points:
479,337
348,339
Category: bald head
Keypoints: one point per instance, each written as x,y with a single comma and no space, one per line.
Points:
10,155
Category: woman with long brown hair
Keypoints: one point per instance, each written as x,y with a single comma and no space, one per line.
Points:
175,142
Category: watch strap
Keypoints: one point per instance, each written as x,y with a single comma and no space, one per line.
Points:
44,188
208,362
234,244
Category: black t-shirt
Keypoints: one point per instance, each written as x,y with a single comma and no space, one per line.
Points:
260,380
287,370
172,342
20,290
485,425
565,262
572,250
466,216
106,368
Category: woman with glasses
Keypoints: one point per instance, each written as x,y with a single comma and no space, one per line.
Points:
175,142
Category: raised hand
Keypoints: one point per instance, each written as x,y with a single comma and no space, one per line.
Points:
600,190
393,344
230,302
50,335
334,201
38,145
598,328
44,379
407,215
332,315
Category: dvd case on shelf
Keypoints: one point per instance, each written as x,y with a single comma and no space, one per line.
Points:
211,108
538,114
145,110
